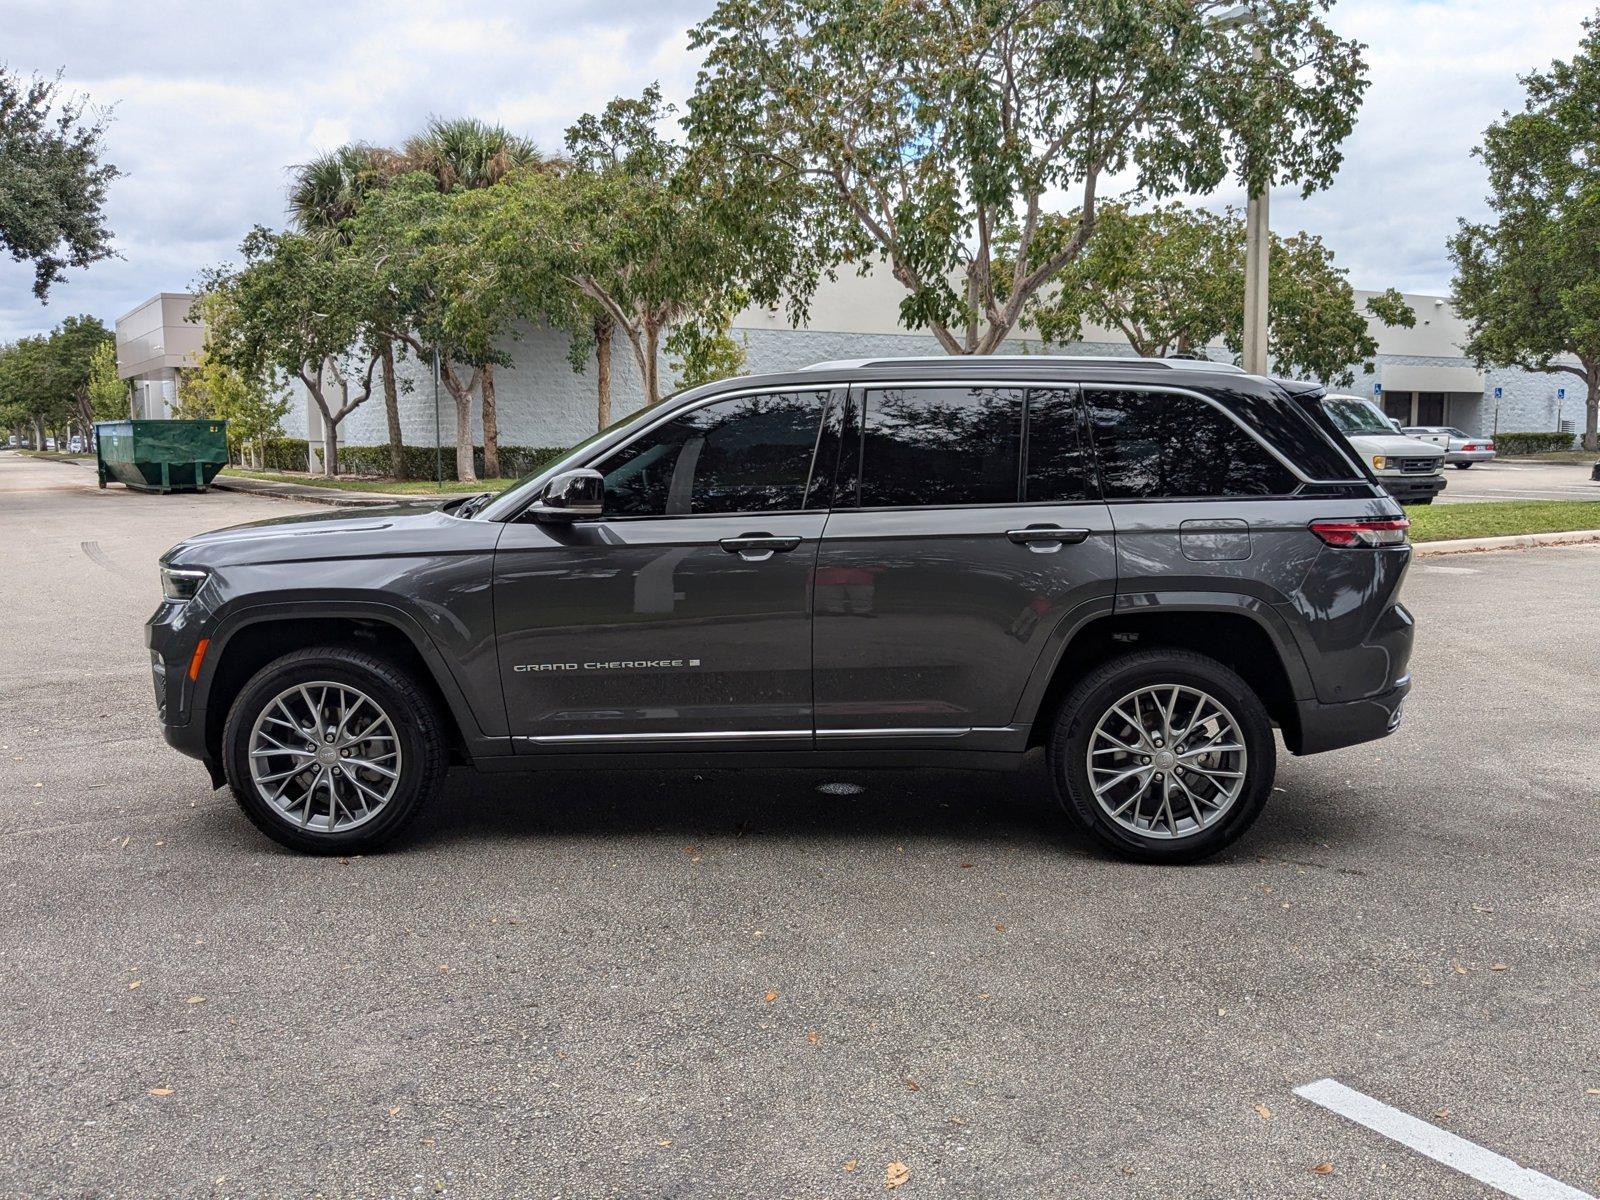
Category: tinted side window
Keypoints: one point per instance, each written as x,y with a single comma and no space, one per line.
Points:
940,445
1154,445
749,454
1058,463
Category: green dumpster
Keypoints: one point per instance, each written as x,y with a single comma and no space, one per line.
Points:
161,456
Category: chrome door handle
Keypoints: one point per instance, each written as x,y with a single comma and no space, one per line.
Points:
758,546
1047,534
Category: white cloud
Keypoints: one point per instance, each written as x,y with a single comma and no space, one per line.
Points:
214,104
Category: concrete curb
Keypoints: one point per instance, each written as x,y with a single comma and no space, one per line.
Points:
332,497
1515,541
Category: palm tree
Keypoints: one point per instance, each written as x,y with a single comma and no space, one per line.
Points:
324,194
462,154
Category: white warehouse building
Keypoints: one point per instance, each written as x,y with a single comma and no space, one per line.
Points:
1419,376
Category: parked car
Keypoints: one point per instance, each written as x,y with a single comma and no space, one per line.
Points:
1410,471
1461,450
1142,566
75,444
49,443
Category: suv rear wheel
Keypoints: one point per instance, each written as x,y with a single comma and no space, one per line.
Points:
333,751
1163,755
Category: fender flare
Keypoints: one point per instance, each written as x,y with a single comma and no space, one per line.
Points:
1154,603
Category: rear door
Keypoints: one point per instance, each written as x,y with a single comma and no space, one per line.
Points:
965,529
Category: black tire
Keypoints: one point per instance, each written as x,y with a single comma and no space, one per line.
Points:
1461,466
418,727
1103,688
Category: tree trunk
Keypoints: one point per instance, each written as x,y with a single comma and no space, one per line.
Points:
602,373
652,342
461,392
391,409
330,447
491,425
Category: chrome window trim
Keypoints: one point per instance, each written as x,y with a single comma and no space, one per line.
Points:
722,735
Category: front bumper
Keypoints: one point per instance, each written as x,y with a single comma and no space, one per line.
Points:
1332,726
172,635
1412,487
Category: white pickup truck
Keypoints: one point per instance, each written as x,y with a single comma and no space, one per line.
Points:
1410,471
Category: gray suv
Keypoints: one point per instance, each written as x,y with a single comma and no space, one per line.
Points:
1141,566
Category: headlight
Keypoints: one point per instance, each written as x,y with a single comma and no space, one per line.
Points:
1379,462
179,583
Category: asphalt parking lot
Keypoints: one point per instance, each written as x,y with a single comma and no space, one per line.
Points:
1500,480
735,985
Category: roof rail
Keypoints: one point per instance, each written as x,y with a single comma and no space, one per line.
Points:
1034,360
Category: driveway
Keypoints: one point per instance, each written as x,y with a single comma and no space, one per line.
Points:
710,984
1499,480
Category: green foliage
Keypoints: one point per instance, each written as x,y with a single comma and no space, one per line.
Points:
108,394
53,183
289,454
1531,443
47,380
464,153
1171,280
1528,280
704,355
253,405
924,135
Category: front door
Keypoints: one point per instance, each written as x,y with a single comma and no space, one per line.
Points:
681,618
966,528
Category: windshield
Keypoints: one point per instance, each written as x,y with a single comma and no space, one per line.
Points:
1356,416
1457,433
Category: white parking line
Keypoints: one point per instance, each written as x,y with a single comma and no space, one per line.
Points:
1454,1152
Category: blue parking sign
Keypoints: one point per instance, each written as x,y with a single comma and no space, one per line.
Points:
1498,393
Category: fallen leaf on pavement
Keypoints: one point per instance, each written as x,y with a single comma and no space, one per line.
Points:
161,1091
1442,1115
1000,928
1458,968
1322,1169
849,1166
894,1175
195,1000
811,1036
135,984
913,1086
1263,1112
771,996
1499,967
394,1111
663,1141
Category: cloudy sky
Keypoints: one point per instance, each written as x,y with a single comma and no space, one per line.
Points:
215,102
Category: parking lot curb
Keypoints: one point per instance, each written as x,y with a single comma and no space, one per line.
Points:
315,495
1515,541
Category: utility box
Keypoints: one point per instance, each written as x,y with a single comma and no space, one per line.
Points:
161,456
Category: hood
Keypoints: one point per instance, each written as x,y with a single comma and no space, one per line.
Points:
397,529
1392,443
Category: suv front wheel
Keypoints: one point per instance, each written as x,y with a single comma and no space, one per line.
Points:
1163,755
333,751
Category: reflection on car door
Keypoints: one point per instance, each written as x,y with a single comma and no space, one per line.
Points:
966,527
681,618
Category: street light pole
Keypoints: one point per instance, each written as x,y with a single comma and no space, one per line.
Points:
1257,243
1257,238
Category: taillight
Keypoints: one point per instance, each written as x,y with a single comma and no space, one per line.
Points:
1488,445
1469,446
1362,534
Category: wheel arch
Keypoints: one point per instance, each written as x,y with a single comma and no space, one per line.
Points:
1243,635
251,638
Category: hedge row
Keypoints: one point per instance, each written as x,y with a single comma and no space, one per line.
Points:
289,454
1532,443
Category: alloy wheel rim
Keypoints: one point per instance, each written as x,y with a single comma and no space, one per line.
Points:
1167,761
324,757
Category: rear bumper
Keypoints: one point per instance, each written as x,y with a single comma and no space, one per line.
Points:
1331,726
1470,456
1412,487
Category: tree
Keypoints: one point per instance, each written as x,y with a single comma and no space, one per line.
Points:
53,183
28,391
922,134
108,393
72,347
1171,280
295,310
325,195
464,154
435,256
1528,280
252,405
632,227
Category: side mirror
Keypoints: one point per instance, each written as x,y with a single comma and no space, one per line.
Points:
572,496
